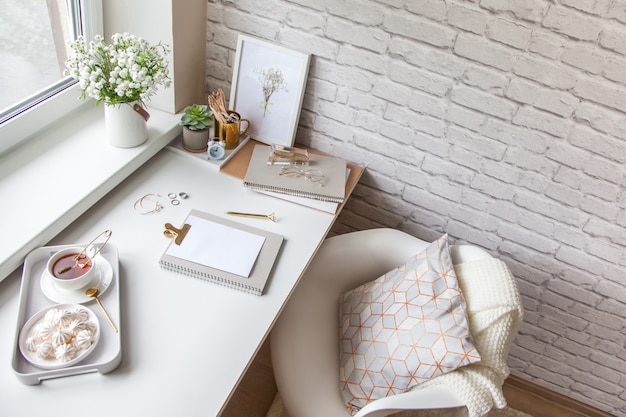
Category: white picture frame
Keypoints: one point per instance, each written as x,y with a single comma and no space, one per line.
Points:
268,89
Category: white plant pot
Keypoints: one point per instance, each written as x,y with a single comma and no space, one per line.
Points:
125,127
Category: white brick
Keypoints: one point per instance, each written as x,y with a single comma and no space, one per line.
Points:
546,44
617,10
573,24
604,170
564,195
606,210
614,40
500,171
483,102
468,19
433,9
610,148
516,136
556,211
483,146
493,187
522,158
585,57
580,181
360,58
464,117
603,93
510,33
532,10
597,227
422,80
446,169
597,7
604,120
526,238
372,39
364,101
306,20
565,154
560,103
401,23
367,14
423,56
545,72
485,79
489,53
614,70
542,121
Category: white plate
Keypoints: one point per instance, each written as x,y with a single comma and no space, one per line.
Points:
53,363
102,280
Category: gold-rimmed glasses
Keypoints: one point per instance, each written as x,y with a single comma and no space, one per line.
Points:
311,175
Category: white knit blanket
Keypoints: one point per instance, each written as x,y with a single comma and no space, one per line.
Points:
495,313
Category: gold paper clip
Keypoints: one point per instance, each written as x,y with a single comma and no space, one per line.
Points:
177,234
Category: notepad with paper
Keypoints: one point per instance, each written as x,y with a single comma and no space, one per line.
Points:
224,252
263,177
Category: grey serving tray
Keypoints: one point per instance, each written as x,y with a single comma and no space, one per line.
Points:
108,353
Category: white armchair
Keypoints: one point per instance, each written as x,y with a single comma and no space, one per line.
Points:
305,339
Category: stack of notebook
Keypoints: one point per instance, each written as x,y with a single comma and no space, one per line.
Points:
323,194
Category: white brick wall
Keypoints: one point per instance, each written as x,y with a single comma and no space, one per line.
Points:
500,122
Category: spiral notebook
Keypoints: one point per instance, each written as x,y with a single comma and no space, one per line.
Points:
263,177
223,252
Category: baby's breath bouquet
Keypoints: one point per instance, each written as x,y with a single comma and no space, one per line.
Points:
127,70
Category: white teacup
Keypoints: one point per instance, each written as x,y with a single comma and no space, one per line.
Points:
67,273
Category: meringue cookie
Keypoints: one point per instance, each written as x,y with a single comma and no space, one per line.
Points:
45,350
81,314
31,344
76,326
44,330
65,352
84,339
60,337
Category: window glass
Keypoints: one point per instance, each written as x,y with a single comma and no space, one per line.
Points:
33,38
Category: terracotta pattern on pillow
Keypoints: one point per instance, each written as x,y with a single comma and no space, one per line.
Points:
404,328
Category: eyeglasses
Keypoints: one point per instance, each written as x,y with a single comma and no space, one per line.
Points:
311,175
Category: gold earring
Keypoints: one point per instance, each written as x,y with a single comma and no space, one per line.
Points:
139,204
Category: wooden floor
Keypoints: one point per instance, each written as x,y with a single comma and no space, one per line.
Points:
258,388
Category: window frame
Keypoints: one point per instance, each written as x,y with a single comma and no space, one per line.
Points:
35,119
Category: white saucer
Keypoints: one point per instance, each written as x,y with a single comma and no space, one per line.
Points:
102,280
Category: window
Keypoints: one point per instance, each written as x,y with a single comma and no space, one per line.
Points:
33,35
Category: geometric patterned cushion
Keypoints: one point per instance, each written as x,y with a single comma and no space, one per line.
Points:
404,328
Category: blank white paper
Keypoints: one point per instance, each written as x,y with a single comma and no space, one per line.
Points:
218,246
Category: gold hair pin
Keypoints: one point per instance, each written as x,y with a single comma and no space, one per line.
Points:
270,216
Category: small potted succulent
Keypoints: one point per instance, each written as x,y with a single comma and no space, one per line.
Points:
196,121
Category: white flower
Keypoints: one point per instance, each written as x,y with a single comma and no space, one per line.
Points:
127,70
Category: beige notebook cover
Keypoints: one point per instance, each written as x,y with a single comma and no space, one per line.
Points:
224,252
263,177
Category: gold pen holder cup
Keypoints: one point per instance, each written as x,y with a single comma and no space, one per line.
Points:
230,132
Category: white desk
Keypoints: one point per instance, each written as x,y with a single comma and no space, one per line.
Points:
186,342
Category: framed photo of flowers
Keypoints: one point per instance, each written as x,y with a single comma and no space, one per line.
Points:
268,89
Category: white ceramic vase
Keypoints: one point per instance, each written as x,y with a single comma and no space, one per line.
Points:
125,127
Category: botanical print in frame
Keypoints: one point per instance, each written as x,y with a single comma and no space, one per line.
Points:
268,89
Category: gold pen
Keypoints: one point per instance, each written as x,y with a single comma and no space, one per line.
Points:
271,216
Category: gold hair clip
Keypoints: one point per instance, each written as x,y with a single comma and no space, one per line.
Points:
270,216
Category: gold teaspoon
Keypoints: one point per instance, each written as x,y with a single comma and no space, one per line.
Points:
93,293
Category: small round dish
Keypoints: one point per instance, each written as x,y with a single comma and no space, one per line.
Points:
102,280
59,336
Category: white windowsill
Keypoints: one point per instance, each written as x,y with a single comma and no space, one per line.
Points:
53,179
